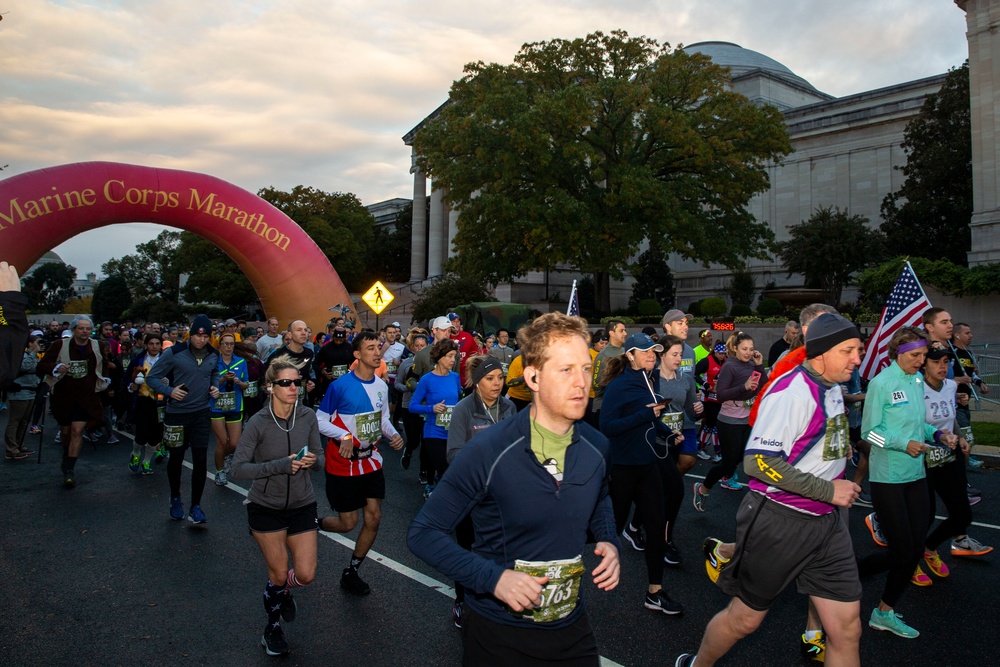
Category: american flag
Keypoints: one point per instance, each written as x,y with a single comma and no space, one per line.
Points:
907,302
574,302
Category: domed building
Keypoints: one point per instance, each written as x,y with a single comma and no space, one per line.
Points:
760,79
845,154
48,258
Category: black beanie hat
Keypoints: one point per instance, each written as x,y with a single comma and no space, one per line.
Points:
201,325
827,331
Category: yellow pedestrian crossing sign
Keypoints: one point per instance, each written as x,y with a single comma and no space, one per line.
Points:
377,297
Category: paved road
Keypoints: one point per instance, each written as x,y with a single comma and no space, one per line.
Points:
99,575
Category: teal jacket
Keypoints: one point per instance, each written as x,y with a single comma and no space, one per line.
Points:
895,414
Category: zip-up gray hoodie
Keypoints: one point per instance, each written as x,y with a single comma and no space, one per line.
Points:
186,370
263,456
469,417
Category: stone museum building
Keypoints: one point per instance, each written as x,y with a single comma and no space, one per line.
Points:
845,154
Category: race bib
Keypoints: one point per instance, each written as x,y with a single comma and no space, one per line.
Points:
504,367
339,371
390,369
899,398
836,440
369,427
748,404
226,402
967,434
161,412
173,435
77,369
673,420
936,456
443,419
251,390
562,592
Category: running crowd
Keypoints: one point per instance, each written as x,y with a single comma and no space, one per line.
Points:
532,449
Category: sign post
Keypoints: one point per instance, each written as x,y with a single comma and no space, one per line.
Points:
377,297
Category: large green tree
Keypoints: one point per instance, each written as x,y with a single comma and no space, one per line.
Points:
112,298
213,277
929,215
828,248
388,256
653,278
337,221
447,292
580,150
151,271
49,287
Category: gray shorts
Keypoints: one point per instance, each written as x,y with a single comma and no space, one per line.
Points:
776,545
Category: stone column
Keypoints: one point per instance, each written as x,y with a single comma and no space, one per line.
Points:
983,22
418,235
436,234
452,230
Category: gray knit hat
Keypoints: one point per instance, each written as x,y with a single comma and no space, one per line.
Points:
827,331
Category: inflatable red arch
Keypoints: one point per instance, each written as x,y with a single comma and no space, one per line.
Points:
293,278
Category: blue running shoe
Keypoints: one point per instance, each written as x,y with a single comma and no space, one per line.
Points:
732,483
147,469
176,509
133,463
196,516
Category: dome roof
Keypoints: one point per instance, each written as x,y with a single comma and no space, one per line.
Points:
51,256
743,61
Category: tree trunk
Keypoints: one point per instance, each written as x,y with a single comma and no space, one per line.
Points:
602,293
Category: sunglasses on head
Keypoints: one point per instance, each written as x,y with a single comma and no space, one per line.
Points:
285,382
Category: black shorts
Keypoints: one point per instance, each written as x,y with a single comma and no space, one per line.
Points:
487,643
195,429
77,414
350,493
776,545
294,521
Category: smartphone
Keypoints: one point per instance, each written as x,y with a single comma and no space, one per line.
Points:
665,402
302,452
755,376
182,387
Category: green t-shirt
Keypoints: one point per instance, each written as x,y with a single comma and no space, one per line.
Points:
550,449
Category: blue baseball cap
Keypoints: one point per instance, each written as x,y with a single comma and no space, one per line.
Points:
642,342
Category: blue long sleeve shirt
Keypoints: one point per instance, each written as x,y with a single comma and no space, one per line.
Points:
518,509
628,423
431,390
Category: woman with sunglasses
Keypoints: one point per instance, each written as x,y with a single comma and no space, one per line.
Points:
630,418
277,449
736,389
227,408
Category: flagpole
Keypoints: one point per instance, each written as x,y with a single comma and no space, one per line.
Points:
922,291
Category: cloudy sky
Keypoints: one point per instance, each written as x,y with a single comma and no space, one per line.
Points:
319,93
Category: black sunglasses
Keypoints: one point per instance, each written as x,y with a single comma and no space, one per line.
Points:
285,382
